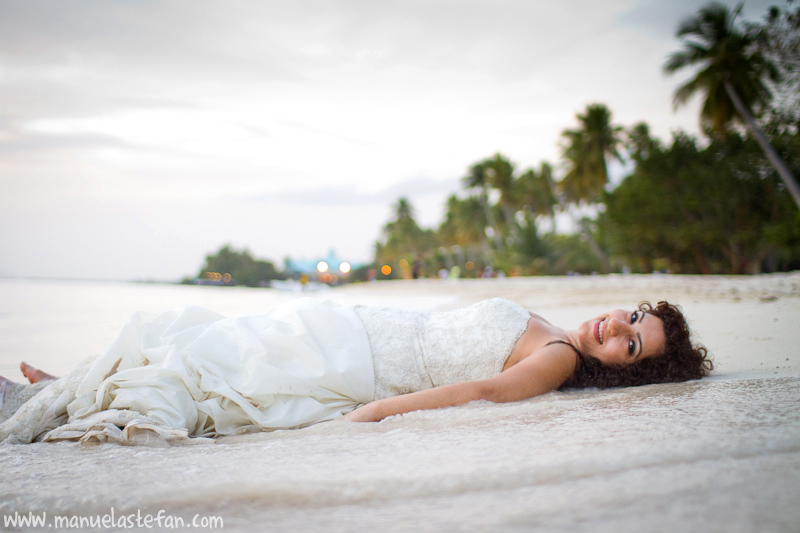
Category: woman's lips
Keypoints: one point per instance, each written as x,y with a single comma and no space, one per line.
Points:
597,327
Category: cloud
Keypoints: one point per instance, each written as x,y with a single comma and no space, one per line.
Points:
319,131
278,43
46,142
416,186
255,131
162,37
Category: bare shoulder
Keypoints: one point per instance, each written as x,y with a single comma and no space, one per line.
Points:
537,336
555,355
541,371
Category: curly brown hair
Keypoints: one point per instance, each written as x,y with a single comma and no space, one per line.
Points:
681,360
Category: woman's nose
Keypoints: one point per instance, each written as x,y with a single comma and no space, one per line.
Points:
615,326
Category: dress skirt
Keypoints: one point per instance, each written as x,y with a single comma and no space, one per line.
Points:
192,372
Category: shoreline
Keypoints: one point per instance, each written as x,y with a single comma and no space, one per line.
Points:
781,283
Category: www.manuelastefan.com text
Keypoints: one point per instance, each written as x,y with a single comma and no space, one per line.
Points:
111,520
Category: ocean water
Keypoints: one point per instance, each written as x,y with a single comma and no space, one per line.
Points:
55,324
720,454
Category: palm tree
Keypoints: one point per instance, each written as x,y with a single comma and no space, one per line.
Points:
403,210
639,143
733,76
534,193
480,177
501,178
464,222
585,151
403,236
500,172
778,38
464,226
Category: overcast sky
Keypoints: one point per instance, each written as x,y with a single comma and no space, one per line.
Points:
138,136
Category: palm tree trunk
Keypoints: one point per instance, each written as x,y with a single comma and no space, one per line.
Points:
511,222
498,240
595,248
701,260
554,194
601,256
774,158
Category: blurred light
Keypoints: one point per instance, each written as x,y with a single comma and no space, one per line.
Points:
344,267
470,265
322,266
386,270
403,263
226,277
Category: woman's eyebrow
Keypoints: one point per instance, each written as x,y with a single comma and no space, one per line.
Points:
641,346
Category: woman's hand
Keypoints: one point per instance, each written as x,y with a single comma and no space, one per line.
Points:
365,413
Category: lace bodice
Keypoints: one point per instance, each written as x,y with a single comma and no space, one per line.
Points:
414,350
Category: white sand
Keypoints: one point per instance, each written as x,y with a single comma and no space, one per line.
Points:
721,454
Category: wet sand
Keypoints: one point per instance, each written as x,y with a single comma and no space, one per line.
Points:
720,454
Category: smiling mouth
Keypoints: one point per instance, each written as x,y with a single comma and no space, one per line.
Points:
598,331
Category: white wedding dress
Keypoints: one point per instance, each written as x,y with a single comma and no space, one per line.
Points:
193,373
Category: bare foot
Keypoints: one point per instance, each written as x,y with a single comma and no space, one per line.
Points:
34,375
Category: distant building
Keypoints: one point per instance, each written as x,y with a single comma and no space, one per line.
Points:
329,269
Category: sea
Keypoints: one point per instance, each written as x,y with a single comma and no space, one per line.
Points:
720,454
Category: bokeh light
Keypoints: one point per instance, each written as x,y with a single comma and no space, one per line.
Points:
386,270
322,266
344,267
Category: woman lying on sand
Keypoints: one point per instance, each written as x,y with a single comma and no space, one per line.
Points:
194,373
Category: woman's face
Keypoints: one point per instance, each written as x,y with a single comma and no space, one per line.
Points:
622,337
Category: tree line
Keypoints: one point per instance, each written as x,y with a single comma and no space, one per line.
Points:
229,266
726,203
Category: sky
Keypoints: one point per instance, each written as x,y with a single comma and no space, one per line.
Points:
136,137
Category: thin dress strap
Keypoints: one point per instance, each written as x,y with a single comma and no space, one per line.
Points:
564,342
579,355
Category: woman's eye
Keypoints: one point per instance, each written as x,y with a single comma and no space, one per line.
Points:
634,317
631,347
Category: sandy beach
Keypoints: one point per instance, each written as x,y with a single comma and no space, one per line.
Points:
721,454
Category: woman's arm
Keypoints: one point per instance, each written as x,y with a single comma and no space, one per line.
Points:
542,371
